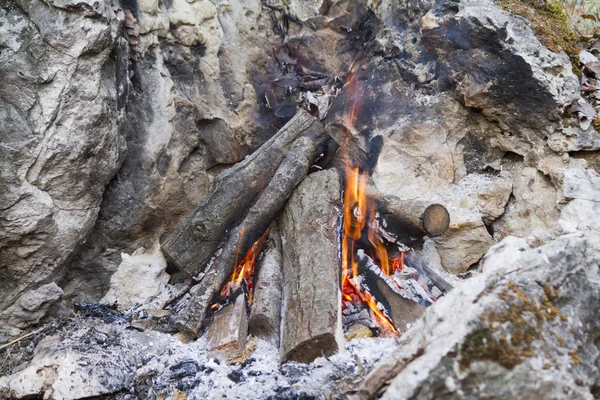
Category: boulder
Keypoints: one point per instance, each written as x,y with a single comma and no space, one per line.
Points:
524,328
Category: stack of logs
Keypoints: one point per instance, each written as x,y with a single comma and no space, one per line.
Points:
297,296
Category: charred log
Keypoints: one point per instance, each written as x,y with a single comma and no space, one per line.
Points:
311,313
289,174
265,317
401,310
195,241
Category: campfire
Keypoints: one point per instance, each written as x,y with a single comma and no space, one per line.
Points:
362,280
262,199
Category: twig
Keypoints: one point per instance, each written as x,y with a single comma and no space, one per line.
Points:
20,338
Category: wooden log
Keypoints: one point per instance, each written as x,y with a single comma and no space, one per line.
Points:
228,331
311,325
265,317
289,174
416,218
401,310
194,241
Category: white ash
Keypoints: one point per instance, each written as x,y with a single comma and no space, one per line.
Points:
133,364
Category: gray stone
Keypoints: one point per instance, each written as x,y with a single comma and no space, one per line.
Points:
524,328
31,307
61,143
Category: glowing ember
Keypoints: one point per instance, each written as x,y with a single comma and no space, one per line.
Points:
243,273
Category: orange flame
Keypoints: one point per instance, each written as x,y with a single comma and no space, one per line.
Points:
356,218
244,271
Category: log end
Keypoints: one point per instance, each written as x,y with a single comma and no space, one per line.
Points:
307,351
435,220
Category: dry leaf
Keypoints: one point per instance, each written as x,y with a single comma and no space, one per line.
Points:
178,395
585,112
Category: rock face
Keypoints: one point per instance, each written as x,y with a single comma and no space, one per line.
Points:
194,105
467,93
61,141
524,328
167,102
139,278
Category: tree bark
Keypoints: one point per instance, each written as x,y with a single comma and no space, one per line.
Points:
289,174
311,324
232,193
265,317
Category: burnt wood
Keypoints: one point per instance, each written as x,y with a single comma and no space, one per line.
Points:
265,317
416,218
401,310
289,174
311,325
229,329
194,241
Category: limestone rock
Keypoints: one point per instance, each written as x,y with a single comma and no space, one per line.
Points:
532,211
31,307
477,199
139,278
580,188
61,143
521,329
195,105
533,85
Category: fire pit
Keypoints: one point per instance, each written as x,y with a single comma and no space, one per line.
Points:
292,200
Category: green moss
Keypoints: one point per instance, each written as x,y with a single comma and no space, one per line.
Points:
494,343
596,124
481,345
550,25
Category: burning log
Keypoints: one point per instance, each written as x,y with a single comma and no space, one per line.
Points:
415,218
289,174
311,324
229,329
265,317
195,241
401,310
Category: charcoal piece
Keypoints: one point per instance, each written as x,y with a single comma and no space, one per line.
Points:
289,174
265,317
236,376
309,226
194,241
184,368
401,310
